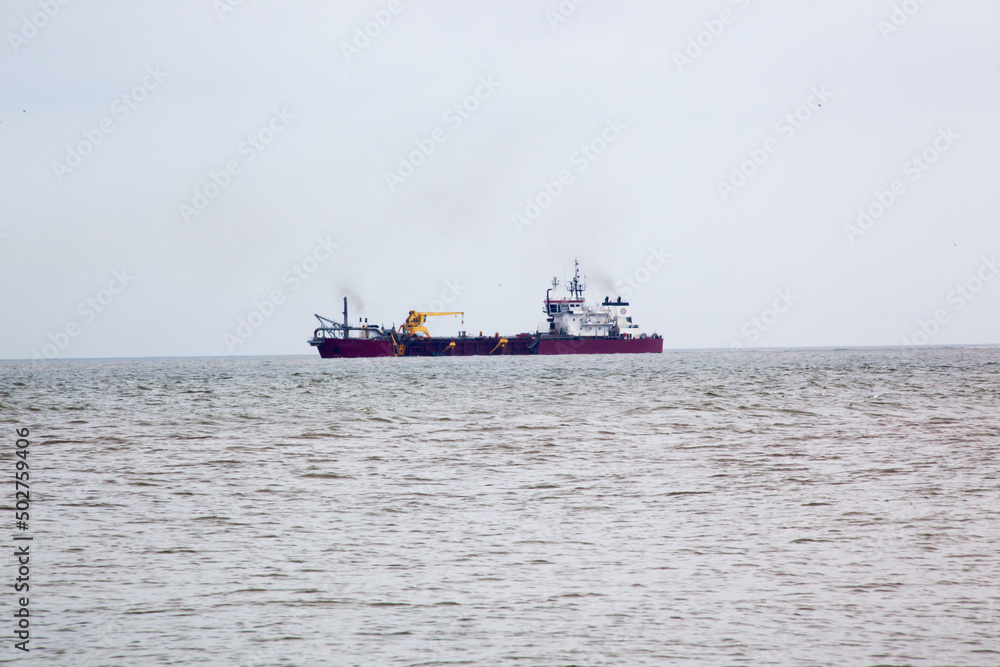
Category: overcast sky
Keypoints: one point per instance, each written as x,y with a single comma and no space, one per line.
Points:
170,168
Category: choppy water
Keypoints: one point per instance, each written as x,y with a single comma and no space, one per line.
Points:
807,507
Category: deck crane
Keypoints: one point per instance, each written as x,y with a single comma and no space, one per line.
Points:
415,322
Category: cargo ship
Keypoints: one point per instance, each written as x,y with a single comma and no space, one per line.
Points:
570,327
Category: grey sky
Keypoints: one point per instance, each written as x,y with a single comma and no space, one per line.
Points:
199,83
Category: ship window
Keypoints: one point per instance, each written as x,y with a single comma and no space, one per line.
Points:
628,319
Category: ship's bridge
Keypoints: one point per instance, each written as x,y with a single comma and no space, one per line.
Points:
556,306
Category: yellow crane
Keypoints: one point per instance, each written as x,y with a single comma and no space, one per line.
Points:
415,322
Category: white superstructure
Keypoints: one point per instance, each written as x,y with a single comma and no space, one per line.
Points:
573,317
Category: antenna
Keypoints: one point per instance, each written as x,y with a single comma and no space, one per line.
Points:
576,287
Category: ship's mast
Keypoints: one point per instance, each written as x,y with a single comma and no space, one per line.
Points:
576,287
555,284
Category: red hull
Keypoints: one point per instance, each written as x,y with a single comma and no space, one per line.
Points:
339,348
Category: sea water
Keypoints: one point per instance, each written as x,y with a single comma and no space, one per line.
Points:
764,507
